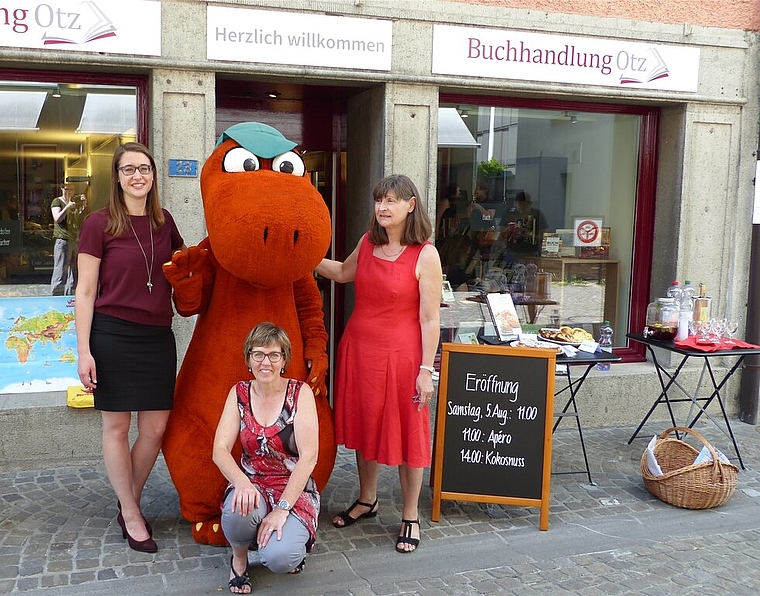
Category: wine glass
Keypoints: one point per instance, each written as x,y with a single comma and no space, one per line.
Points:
717,329
731,327
697,329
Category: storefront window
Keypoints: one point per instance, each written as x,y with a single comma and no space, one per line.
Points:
56,140
541,203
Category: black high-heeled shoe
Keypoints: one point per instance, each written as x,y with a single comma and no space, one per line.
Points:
143,546
147,525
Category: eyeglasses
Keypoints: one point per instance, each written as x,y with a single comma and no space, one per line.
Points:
130,170
274,357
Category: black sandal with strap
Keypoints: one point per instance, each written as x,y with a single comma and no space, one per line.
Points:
349,521
406,536
298,568
239,581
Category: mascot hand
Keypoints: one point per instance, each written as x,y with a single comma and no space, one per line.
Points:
318,372
188,273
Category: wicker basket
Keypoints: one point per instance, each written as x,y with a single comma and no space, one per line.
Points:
684,484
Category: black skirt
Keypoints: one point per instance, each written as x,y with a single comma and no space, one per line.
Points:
136,365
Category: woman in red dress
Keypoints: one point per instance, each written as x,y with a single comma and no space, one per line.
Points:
383,381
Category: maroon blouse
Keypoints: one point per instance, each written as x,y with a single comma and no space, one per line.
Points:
123,277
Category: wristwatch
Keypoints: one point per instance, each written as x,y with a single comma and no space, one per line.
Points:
284,505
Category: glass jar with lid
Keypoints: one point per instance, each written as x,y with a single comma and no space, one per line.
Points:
662,319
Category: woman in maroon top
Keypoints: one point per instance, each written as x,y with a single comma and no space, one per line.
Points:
127,354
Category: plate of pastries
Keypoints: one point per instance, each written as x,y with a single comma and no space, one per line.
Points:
571,336
536,343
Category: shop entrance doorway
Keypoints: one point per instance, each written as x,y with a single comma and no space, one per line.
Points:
328,175
315,117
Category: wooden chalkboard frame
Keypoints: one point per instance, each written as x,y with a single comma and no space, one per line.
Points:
508,359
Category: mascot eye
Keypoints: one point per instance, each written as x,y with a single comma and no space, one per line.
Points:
289,163
240,160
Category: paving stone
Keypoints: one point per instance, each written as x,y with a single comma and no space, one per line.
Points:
58,534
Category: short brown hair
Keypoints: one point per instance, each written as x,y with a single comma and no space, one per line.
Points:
418,227
268,334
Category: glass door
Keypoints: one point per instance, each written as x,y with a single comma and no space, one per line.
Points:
328,175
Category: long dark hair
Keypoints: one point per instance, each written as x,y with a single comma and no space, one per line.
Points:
418,227
118,216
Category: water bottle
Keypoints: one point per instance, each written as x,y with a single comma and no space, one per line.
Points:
605,344
675,291
684,316
687,295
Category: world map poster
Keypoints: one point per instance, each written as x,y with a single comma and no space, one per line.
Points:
37,344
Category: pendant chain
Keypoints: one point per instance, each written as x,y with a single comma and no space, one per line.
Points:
400,250
149,268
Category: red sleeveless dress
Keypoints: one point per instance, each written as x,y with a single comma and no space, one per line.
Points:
378,361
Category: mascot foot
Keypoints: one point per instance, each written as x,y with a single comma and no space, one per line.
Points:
209,532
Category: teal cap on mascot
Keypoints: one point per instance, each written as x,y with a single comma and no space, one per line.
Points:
260,139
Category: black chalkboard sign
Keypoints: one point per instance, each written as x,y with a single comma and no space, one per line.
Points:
494,426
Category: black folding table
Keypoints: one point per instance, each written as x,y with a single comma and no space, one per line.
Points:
668,380
573,387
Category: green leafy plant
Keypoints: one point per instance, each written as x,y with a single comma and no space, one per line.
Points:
490,168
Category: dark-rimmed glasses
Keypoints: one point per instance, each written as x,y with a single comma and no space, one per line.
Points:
273,356
130,170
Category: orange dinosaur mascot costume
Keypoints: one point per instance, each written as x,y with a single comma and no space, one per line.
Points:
268,228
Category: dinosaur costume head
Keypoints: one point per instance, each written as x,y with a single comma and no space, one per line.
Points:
262,228
268,228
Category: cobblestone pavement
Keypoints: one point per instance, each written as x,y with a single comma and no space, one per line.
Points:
58,533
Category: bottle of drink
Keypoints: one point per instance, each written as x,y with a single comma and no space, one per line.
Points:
605,344
702,304
687,295
674,291
684,316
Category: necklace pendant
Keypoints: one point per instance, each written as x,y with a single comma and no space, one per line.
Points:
150,287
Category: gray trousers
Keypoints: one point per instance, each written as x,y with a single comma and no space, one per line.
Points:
280,556
64,277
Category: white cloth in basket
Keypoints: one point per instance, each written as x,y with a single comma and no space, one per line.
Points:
705,455
654,467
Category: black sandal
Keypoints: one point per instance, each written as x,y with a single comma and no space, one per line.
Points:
350,521
239,581
406,536
298,568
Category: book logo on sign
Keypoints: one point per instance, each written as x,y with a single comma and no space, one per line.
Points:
89,25
648,68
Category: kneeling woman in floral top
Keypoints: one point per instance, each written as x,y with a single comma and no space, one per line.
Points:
271,498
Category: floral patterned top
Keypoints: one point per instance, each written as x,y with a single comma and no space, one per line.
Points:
270,454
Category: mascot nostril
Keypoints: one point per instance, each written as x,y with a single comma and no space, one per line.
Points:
232,288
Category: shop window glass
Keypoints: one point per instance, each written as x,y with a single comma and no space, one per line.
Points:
55,138
540,203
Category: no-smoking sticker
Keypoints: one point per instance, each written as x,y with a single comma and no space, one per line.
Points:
588,232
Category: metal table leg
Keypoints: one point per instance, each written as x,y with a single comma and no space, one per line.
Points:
574,387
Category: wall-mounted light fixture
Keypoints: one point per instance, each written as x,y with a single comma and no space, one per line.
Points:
274,94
